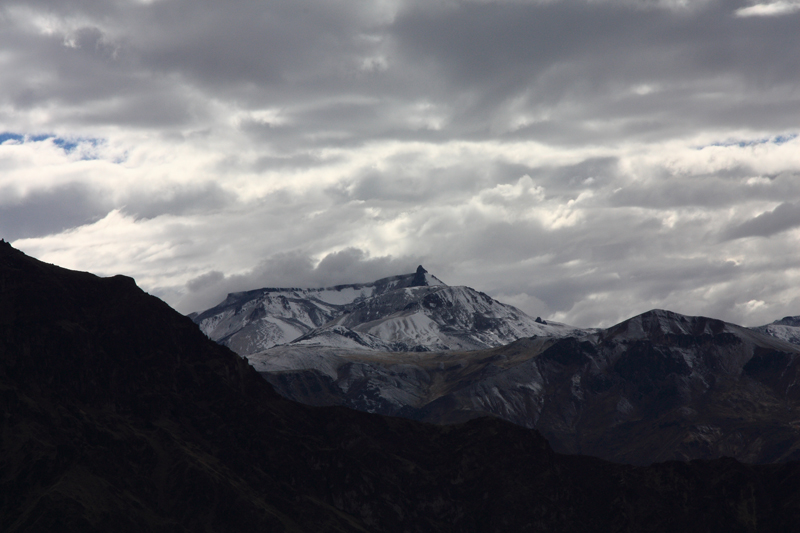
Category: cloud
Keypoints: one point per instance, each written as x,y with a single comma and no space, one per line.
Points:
469,70
46,212
204,281
589,160
177,200
784,217
553,57
772,9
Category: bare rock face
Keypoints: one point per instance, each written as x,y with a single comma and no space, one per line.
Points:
659,386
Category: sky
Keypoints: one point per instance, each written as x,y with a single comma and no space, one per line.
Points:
584,160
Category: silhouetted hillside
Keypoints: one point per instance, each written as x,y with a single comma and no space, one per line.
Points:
120,415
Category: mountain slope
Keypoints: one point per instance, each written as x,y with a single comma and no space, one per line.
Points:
119,415
434,318
412,312
655,387
787,329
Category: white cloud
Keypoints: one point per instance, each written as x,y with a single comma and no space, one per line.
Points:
771,9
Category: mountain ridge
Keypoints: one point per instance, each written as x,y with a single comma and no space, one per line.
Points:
410,312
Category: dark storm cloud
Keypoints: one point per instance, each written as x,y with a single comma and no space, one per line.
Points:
44,212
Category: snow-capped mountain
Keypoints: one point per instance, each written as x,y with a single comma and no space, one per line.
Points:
412,312
787,329
429,318
655,387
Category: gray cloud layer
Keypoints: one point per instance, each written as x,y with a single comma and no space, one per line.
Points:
47,211
785,216
585,160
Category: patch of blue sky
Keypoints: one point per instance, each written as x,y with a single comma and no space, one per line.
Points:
68,145
780,139
8,136
744,143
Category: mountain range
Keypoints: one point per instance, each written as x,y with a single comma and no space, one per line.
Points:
120,415
659,386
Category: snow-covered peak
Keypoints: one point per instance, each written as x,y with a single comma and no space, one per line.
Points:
437,318
422,278
410,312
338,295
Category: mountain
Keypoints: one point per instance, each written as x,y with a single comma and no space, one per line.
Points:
787,329
412,312
659,386
119,415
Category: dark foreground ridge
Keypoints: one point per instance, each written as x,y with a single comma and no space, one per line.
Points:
119,415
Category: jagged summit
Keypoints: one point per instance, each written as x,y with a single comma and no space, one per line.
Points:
409,312
423,279
419,277
336,294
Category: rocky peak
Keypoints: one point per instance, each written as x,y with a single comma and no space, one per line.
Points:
419,279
